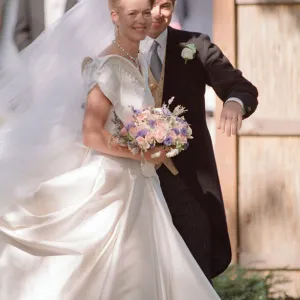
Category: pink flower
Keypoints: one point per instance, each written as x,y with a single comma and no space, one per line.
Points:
182,138
150,137
140,118
133,131
123,131
162,124
155,117
160,135
144,115
142,143
173,135
180,126
141,126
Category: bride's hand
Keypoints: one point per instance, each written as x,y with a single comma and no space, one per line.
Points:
151,157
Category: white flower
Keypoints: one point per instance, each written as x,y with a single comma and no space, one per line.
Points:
171,100
156,154
158,110
179,110
189,131
188,52
172,153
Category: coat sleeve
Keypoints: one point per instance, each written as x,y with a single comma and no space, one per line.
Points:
227,81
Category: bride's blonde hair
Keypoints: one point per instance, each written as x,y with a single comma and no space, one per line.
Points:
115,4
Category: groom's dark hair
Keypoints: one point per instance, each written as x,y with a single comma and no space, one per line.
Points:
152,2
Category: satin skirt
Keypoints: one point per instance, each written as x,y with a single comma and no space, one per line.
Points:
102,231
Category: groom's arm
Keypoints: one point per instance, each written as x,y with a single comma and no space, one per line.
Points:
228,82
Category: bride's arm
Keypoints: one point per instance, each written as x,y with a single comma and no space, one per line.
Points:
94,134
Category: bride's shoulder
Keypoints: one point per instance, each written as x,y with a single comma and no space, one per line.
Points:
86,63
105,63
104,70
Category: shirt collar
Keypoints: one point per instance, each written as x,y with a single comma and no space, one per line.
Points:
162,38
148,41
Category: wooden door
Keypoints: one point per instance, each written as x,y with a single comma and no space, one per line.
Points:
266,155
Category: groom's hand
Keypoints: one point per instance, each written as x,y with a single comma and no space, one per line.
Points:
231,118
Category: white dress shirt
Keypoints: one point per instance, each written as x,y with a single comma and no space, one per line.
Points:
145,48
54,10
161,50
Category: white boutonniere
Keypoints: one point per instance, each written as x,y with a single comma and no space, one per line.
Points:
188,52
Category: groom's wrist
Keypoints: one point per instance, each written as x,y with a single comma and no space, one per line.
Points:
240,102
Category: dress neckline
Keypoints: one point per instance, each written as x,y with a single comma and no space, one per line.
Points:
143,73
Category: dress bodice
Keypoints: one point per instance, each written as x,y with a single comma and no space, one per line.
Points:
121,82
125,86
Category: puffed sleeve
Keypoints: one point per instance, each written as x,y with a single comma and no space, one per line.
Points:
104,72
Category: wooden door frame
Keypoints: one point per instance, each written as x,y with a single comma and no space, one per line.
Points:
224,35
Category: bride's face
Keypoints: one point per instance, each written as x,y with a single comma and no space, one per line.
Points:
133,19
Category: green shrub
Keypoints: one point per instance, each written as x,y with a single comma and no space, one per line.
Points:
238,283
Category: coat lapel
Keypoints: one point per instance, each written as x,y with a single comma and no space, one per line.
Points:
175,67
157,89
172,66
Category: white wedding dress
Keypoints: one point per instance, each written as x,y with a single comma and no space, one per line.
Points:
101,231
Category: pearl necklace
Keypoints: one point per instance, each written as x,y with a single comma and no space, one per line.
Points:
134,59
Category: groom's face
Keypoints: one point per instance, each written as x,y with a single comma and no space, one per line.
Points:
162,12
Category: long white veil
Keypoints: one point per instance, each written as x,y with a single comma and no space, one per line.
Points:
41,95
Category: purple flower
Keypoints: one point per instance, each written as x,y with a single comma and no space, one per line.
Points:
166,111
176,130
136,111
180,120
168,141
183,131
142,133
186,145
130,125
152,123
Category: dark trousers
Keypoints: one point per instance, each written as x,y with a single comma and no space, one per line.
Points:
188,217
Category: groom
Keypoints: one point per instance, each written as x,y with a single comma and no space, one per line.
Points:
190,180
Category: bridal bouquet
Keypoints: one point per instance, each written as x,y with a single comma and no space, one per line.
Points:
154,127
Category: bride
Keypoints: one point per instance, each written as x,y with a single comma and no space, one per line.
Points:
83,219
